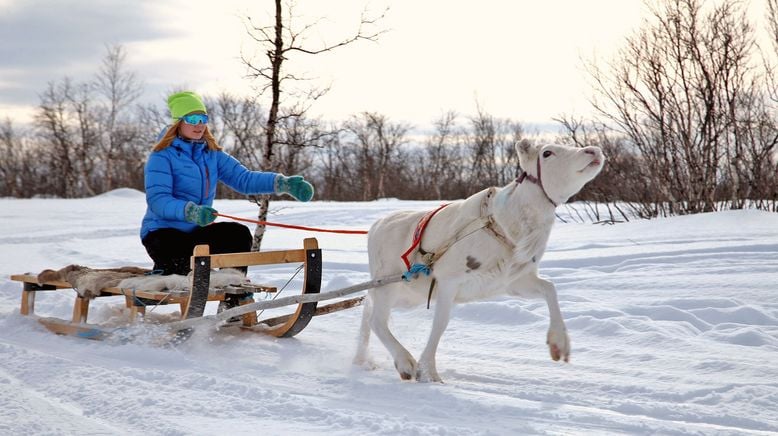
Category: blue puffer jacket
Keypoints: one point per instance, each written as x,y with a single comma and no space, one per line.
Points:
188,171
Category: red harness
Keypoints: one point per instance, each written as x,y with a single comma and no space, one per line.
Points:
417,234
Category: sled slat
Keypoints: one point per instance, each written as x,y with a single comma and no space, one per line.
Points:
29,278
261,258
170,297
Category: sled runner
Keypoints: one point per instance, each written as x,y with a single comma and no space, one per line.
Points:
192,300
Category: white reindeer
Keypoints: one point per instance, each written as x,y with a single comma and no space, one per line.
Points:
486,245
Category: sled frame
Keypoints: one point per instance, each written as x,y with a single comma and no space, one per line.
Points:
202,262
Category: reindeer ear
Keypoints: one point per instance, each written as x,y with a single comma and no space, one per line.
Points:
523,147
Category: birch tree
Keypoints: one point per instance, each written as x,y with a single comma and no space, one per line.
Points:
280,41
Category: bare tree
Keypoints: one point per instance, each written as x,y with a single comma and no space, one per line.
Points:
483,170
117,130
337,165
11,164
491,150
767,167
295,136
279,41
242,121
69,136
91,144
87,141
509,133
440,172
624,166
378,142
677,90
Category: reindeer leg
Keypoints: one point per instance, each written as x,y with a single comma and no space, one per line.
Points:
427,371
362,357
379,322
557,339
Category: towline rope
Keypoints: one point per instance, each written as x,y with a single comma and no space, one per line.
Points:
290,226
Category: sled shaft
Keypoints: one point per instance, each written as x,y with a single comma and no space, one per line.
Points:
286,301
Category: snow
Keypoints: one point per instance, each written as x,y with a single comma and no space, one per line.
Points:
674,327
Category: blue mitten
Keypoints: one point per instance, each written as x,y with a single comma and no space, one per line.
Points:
296,186
200,215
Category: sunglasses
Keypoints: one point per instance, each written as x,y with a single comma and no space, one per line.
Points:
195,119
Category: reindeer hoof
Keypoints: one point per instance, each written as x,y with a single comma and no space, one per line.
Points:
557,354
366,364
427,373
406,367
424,378
559,345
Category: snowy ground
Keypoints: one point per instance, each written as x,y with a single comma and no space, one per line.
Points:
674,326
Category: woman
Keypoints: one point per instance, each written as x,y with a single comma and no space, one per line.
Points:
181,175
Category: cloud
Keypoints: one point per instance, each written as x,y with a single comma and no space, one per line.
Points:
45,40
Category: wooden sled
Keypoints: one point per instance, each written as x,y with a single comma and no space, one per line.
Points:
193,301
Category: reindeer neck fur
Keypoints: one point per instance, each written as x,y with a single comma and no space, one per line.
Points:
526,216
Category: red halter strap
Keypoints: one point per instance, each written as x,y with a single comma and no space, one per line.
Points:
536,180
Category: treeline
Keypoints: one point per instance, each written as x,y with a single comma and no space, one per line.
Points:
77,150
91,137
687,118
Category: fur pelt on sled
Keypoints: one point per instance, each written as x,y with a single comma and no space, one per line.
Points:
174,282
88,282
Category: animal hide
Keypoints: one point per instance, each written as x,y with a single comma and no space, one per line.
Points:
174,282
88,282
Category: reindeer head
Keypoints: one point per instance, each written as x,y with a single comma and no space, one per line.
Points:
559,170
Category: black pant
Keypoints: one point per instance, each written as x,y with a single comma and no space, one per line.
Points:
171,249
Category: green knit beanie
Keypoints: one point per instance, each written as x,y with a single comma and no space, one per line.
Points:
184,103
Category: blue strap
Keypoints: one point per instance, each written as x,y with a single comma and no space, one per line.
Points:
414,271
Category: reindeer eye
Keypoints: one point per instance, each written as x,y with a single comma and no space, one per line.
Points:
547,153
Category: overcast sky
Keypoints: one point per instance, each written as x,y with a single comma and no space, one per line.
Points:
517,59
